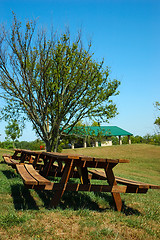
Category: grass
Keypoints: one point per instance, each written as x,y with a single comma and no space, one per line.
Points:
24,213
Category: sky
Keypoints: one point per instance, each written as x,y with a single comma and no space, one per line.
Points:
125,33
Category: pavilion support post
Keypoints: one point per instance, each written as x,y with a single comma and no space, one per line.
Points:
72,145
120,140
129,139
84,143
96,143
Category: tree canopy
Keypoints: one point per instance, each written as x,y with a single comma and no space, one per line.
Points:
12,130
52,81
157,121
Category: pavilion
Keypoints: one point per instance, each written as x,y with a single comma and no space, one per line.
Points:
101,134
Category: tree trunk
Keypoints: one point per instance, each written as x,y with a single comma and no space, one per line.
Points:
55,138
55,143
48,146
52,145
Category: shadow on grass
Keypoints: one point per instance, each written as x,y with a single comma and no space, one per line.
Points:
9,174
22,198
82,200
72,200
130,211
2,161
126,210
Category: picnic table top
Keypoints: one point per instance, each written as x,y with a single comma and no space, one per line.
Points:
65,156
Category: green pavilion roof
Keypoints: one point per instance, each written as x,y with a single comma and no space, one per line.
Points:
103,130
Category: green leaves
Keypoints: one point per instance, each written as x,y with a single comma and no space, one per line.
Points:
157,121
13,131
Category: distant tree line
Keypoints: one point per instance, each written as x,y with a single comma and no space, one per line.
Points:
65,143
33,145
148,139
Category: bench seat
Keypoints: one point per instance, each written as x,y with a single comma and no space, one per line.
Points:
132,186
31,178
9,161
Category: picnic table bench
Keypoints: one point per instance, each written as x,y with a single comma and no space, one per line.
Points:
132,186
74,166
22,156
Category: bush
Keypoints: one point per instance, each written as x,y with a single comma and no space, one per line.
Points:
156,139
6,145
115,140
136,139
152,139
34,145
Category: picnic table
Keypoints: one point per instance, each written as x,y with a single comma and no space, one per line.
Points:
66,166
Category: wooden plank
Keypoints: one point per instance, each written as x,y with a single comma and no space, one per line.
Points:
82,187
60,155
95,188
141,185
104,160
134,189
131,182
10,161
27,178
99,174
136,183
89,187
6,155
41,180
7,160
91,164
151,186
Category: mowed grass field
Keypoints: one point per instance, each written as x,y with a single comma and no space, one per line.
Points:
24,213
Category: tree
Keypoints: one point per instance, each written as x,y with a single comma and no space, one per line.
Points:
157,121
95,124
52,81
13,131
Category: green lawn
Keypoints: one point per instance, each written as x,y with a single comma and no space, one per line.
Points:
24,213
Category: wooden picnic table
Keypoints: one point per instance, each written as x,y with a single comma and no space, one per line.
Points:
82,164
67,166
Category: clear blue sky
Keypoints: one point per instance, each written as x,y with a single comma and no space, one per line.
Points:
126,33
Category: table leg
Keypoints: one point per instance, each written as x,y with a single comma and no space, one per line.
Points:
111,180
60,166
14,156
50,163
63,182
23,158
35,162
47,166
83,173
30,159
